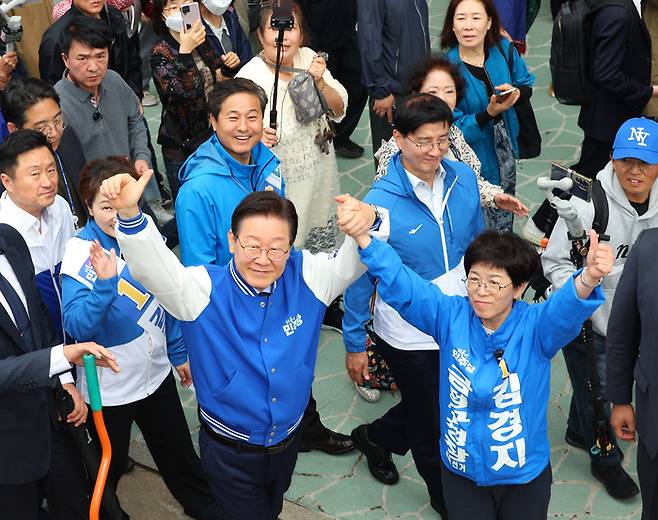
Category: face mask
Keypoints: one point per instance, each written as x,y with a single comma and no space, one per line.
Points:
175,22
217,7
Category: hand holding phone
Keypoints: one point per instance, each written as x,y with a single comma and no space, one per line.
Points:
191,14
502,96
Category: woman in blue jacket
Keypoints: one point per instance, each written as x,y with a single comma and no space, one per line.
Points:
495,366
103,303
471,32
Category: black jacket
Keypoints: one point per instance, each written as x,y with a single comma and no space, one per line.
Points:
620,70
26,396
124,54
72,159
332,22
631,340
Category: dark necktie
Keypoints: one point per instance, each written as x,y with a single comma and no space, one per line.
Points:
19,312
227,44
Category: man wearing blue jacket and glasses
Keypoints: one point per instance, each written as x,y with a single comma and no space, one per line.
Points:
434,206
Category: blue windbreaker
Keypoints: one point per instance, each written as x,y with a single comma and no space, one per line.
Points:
212,185
415,234
492,416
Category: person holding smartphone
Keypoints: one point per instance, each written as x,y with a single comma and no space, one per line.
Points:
628,181
471,33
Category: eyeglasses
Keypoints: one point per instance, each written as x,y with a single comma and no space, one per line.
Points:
252,252
628,163
428,146
474,284
58,125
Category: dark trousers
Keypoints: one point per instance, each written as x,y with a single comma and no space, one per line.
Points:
345,65
66,486
162,422
247,486
380,128
312,428
581,410
647,472
171,169
465,500
413,424
594,155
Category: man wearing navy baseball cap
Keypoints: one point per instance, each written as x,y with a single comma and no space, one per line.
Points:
631,194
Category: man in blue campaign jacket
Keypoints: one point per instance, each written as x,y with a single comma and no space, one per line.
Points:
434,207
496,356
251,328
228,166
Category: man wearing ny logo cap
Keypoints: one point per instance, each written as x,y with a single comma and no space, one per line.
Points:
628,182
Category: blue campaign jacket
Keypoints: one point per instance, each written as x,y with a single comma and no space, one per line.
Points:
493,422
212,185
90,316
421,250
475,100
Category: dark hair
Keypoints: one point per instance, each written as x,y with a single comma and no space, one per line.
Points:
159,26
265,203
266,17
95,172
88,31
16,144
20,96
418,109
448,38
224,89
504,250
429,63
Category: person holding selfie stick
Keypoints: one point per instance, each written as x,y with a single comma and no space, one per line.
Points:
628,182
471,33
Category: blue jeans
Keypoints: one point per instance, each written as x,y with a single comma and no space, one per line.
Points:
581,410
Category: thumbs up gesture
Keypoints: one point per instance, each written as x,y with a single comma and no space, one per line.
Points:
599,257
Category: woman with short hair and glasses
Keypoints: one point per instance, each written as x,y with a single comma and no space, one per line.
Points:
496,353
34,104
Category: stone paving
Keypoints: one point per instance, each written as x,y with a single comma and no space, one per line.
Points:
342,486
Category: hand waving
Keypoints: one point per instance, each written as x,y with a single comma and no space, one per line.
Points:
104,265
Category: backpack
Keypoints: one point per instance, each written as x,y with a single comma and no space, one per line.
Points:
539,283
571,48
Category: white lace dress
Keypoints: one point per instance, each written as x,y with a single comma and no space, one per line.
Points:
311,176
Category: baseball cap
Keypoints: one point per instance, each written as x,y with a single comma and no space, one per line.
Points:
637,138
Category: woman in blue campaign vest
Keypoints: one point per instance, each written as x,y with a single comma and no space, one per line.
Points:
495,366
102,302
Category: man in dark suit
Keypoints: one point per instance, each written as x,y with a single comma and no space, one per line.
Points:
34,104
33,444
621,77
632,354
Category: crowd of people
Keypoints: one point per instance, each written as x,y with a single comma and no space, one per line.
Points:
220,274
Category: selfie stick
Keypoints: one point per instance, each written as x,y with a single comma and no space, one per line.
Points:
282,20
579,249
12,28
277,70
106,448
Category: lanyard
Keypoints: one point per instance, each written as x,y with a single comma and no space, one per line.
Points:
68,190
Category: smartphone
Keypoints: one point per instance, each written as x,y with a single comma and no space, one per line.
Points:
502,95
282,17
582,186
191,15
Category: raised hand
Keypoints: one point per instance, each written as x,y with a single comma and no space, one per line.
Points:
317,67
355,218
104,265
192,39
123,192
509,203
104,358
599,258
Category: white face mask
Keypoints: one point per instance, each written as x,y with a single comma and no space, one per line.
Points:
175,22
217,7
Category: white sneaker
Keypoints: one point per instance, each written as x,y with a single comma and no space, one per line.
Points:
149,100
160,213
532,233
371,395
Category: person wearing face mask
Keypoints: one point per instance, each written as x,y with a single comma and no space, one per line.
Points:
185,68
226,34
101,300
471,33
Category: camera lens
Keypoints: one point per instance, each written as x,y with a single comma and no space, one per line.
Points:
185,9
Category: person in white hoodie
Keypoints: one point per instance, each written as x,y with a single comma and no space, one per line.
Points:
628,182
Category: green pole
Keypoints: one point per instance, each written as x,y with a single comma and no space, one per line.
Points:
92,383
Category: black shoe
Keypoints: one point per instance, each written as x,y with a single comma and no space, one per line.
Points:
439,508
334,444
379,460
616,481
348,149
333,317
574,439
